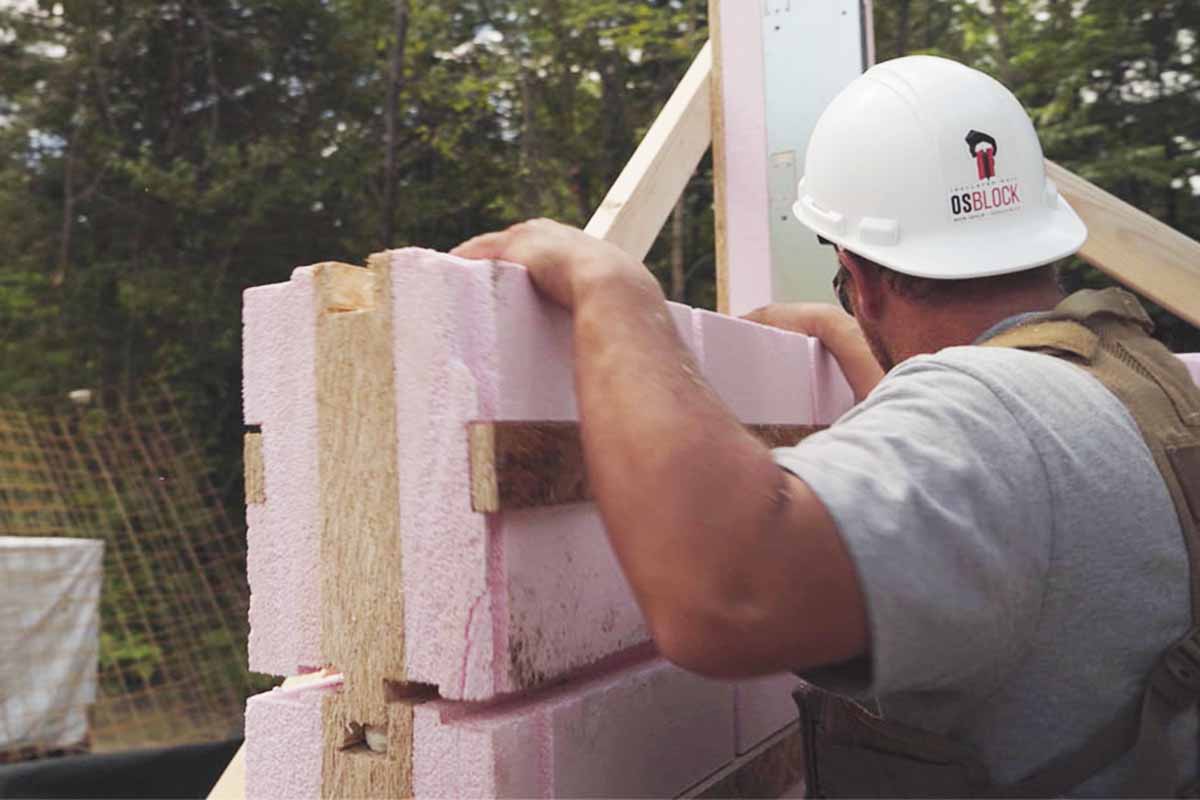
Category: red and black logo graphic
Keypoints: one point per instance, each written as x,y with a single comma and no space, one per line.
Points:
991,195
983,150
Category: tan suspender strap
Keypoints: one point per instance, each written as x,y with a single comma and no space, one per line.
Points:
1186,461
1106,332
1060,336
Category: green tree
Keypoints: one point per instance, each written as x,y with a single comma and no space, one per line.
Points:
158,158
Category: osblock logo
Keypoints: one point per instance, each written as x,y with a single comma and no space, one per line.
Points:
996,198
993,194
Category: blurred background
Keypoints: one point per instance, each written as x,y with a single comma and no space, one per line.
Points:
157,158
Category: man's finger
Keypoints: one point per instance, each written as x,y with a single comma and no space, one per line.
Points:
489,245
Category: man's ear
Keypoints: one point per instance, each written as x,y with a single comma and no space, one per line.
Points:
869,294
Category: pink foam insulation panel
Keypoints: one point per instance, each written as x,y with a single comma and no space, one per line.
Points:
762,707
832,395
763,374
493,603
747,204
642,729
1192,360
279,394
283,743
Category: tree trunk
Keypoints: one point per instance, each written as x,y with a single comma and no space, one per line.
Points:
1004,50
902,28
68,217
531,149
392,114
678,276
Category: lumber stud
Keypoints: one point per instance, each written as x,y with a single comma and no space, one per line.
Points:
367,725
366,759
252,457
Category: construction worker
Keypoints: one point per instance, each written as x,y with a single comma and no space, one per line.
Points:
990,552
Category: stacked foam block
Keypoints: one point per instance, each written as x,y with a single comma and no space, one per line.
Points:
540,679
536,677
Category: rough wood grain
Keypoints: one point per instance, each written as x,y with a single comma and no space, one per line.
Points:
252,457
518,465
350,768
636,208
362,602
720,163
774,767
1134,248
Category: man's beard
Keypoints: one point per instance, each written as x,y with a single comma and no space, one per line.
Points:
878,348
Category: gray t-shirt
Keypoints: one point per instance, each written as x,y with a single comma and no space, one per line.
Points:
1022,562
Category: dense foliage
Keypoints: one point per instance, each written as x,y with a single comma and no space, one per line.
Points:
158,157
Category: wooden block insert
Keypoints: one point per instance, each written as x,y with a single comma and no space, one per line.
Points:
518,465
252,457
352,769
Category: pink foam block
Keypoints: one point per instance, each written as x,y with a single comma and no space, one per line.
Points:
649,730
280,396
283,744
762,707
645,729
832,395
1192,360
763,374
493,604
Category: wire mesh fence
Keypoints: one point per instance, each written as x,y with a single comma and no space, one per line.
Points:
172,659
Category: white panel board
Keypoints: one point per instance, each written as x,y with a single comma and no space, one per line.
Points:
811,50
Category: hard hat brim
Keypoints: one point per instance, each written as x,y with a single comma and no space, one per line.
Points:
1021,244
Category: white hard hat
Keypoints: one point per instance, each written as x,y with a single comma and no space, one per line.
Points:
933,169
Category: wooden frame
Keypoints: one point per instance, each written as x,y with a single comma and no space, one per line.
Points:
639,203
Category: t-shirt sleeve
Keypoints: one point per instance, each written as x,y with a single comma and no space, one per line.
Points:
943,502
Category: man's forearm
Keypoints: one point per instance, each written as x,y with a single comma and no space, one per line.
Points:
683,488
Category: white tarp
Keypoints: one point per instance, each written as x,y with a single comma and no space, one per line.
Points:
49,639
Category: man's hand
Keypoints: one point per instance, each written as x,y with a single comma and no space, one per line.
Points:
563,262
812,319
837,330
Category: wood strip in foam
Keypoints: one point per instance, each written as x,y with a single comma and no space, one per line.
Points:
517,465
352,770
720,161
252,457
362,602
